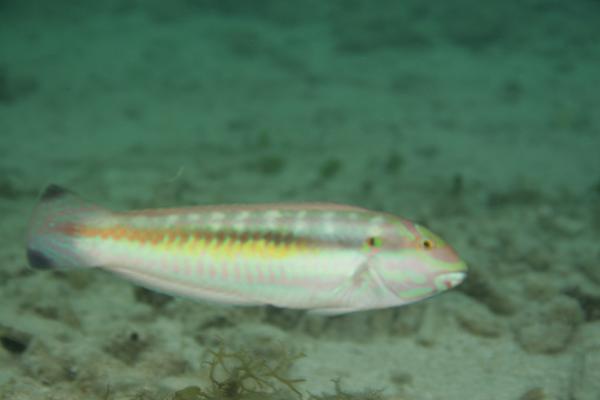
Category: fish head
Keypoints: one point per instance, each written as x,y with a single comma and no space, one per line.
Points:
415,263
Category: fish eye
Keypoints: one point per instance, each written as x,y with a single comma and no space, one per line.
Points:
373,241
427,244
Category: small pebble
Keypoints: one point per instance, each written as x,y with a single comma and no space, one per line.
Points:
154,299
13,340
548,328
127,347
534,394
478,320
188,393
561,224
401,378
482,287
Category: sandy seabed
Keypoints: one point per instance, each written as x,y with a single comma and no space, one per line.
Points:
479,121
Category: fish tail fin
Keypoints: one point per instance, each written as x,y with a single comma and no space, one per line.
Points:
52,237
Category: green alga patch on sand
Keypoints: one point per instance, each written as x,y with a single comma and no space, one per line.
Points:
242,375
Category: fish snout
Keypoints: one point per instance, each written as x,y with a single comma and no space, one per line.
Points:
449,280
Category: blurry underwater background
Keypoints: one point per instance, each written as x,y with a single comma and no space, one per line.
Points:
478,119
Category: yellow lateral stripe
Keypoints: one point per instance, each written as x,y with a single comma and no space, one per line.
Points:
218,244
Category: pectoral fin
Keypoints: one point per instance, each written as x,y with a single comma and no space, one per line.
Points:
364,289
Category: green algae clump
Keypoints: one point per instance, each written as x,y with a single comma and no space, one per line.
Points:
243,376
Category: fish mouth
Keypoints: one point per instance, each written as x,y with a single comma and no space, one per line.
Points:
449,280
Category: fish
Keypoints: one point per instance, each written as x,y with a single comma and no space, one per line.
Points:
325,258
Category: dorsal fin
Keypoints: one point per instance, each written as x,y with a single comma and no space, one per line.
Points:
53,192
